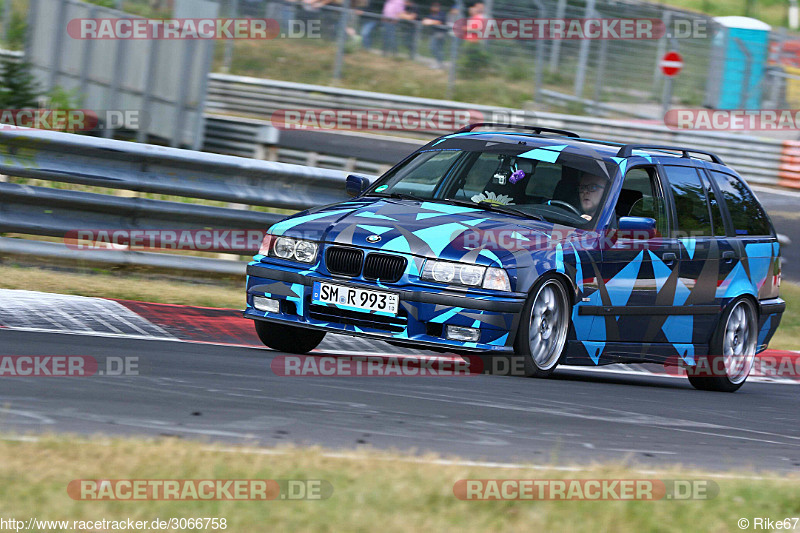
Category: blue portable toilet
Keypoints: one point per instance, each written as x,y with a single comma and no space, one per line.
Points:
739,52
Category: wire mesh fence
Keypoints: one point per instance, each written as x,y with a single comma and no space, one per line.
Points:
584,71
583,75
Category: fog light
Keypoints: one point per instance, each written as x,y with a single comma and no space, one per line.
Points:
457,333
268,305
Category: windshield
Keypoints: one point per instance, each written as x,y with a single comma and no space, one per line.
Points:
540,183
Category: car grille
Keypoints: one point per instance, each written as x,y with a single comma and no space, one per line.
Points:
388,268
344,261
395,324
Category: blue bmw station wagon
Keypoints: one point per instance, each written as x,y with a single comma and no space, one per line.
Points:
537,243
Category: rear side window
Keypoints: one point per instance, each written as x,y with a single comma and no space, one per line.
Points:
691,207
716,213
746,213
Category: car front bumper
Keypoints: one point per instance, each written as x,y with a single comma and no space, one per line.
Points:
422,316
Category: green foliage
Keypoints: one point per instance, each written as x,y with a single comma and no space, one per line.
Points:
474,59
17,26
18,87
60,98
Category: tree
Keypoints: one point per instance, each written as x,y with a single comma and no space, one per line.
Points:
18,87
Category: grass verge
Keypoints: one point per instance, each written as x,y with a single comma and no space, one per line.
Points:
370,488
143,287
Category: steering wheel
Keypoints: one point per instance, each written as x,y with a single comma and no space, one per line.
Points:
568,205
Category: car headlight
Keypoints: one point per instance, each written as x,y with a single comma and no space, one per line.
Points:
443,272
284,247
455,273
289,249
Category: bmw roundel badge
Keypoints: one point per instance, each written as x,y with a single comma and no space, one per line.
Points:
373,238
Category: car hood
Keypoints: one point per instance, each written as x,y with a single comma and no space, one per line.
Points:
427,229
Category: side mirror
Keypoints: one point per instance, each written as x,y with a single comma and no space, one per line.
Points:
355,185
637,228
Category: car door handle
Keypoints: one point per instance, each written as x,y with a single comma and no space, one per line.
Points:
728,256
669,257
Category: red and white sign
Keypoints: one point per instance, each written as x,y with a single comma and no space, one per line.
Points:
671,64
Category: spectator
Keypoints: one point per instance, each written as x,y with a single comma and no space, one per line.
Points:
437,19
408,16
392,11
372,11
476,20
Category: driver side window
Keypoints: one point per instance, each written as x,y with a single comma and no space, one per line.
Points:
642,196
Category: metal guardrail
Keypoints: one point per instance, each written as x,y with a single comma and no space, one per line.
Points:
127,166
124,166
758,159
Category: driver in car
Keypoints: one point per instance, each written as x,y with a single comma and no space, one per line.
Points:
590,191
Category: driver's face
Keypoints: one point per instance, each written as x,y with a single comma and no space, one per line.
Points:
591,190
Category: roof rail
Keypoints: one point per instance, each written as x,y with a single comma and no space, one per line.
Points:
535,129
627,151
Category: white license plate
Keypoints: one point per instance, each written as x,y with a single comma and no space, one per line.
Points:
379,302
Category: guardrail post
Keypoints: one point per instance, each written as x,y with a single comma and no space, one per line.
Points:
267,143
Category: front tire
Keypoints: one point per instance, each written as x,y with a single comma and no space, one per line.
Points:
286,338
543,328
732,348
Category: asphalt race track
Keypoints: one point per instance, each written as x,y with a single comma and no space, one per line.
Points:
230,394
223,392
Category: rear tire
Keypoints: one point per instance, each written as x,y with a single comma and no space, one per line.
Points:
543,328
286,338
732,348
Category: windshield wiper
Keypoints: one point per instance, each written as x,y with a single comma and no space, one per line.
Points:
489,206
400,196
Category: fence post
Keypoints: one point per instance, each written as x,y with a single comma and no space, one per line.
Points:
661,49
58,46
598,81
555,48
150,75
537,81
341,39
666,100
415,40
451,76
86,59
226,62
6,19
583,55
